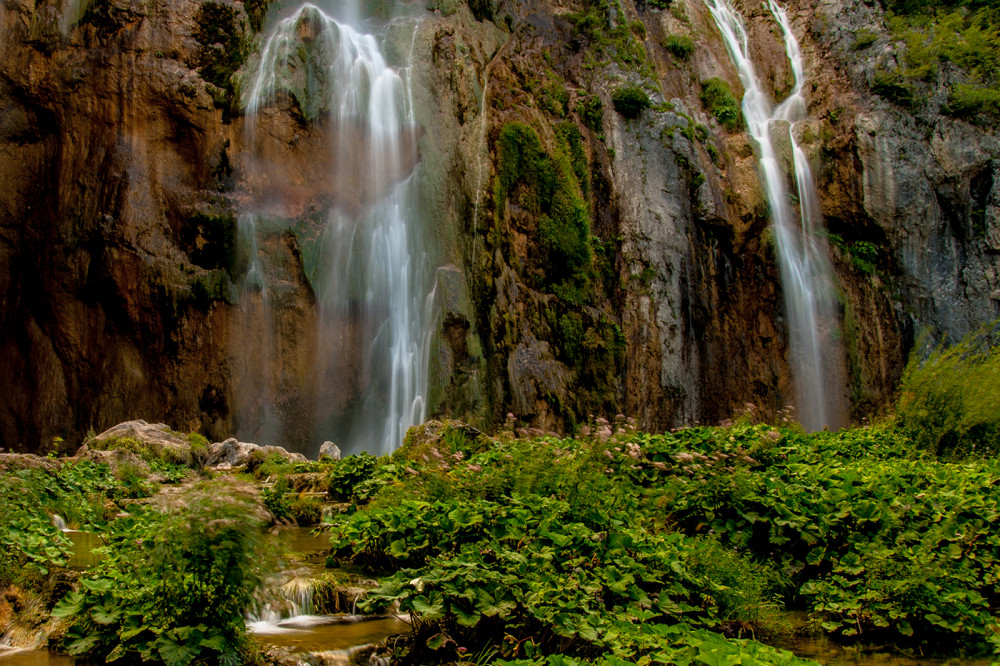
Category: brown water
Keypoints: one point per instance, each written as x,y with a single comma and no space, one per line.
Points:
34,658
302,541
832,654
325,637
83,544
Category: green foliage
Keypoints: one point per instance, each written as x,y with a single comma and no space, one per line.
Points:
974,103
30,545
276,499
172,586
595,550
307,510
349,473
150,453
555,98
964,34
864,38
718,98
630,100
591,113
592,29
948,400
864,255
892,87
223,46
681,46
257,12
483,10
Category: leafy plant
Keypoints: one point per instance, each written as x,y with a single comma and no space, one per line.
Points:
947,400
892,86
172,586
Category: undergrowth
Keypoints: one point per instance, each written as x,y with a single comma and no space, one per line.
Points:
599,548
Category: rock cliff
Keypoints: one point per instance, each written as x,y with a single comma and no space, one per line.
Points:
590,255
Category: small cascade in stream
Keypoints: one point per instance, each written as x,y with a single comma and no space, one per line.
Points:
816,356
284,605
368,378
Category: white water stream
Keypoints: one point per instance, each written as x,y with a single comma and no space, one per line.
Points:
806,274
372,341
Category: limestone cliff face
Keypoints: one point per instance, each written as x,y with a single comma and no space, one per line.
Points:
680,226
111,223
585,261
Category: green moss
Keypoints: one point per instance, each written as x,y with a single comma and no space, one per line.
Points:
962,34
554,98
974,103
220,32
894,88
257,12
592,29
211,286
483,10
546,186
209,240
864,38
630,101
591,112
572,140
718,99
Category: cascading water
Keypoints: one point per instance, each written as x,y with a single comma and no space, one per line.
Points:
806,273
372,345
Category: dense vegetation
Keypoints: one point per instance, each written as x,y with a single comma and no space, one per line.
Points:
964,34
601,547
175,578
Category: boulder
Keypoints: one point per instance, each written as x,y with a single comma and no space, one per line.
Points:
147,440
329,450
234,453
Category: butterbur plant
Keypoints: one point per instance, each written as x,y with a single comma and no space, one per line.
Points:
175,582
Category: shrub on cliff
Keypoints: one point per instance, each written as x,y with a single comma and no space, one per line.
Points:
718,99
681,46
630,101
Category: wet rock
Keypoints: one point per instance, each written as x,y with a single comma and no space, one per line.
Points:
329,450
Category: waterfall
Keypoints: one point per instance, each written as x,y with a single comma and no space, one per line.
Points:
372,338
806,274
